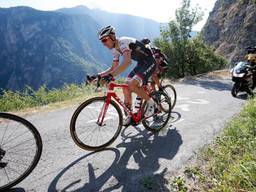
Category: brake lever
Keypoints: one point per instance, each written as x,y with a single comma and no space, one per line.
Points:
98,83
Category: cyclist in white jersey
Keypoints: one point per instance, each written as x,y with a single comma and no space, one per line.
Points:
130,49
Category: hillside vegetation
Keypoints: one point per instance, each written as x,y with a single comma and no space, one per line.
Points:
187,56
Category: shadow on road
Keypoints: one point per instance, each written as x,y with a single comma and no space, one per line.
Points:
142,174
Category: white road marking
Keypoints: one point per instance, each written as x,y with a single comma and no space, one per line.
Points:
182,98
199,101
183,107
188,101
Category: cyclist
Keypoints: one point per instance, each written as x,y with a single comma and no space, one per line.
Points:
161,62
130,49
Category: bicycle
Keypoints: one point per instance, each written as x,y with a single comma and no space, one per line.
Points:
104,114
167,89
170,91
20,149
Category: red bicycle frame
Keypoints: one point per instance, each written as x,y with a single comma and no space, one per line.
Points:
110,93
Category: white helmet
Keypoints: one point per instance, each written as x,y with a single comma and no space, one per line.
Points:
106,31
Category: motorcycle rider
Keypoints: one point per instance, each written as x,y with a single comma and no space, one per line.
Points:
244,74
251,56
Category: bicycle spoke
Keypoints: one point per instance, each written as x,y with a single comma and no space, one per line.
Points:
14,130
17,162
19,144
2,140
8,141
7,175
24,149
17,153
11,169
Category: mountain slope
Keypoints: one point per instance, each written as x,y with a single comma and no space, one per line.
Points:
56,47
231,28
51,48
126,25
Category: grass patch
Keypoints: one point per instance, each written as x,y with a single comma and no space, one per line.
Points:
28,99
229,164
16,101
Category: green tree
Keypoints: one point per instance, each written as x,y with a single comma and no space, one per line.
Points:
186,55
201,58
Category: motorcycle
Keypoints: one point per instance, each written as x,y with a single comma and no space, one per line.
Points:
244,78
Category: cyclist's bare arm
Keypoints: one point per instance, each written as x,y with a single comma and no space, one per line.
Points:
109,70
127,60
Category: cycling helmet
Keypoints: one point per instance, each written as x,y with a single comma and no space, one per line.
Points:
106,31
145,41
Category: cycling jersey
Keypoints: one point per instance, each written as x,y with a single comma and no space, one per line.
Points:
138,50
144,57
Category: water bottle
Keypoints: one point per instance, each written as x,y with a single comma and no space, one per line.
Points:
138,103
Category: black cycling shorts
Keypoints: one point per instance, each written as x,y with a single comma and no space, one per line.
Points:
142,71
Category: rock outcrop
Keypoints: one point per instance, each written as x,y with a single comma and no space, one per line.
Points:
231,27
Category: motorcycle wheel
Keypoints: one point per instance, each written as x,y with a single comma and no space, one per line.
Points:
235,90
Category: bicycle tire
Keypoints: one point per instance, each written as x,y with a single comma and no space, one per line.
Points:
173,100
39,145
78,111
168,112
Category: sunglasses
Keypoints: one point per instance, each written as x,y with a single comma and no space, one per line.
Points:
104,40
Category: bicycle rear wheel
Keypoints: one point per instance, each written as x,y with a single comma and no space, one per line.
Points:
171,92
85,130
162,113
20,149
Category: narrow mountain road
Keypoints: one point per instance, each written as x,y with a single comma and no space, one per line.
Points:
138,158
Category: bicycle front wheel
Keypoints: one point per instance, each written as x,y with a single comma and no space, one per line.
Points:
171,92
86,130
20,149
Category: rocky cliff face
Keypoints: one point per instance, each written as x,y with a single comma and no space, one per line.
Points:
231,27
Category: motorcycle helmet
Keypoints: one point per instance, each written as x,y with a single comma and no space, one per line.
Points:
251,57
145,41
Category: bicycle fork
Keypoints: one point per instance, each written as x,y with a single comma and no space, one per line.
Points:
103,112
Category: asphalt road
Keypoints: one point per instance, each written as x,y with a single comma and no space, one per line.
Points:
137,159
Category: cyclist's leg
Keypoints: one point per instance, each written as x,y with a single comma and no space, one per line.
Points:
142,72
127,95
156,79
127,100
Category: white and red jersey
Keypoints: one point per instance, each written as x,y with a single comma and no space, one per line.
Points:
123,43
